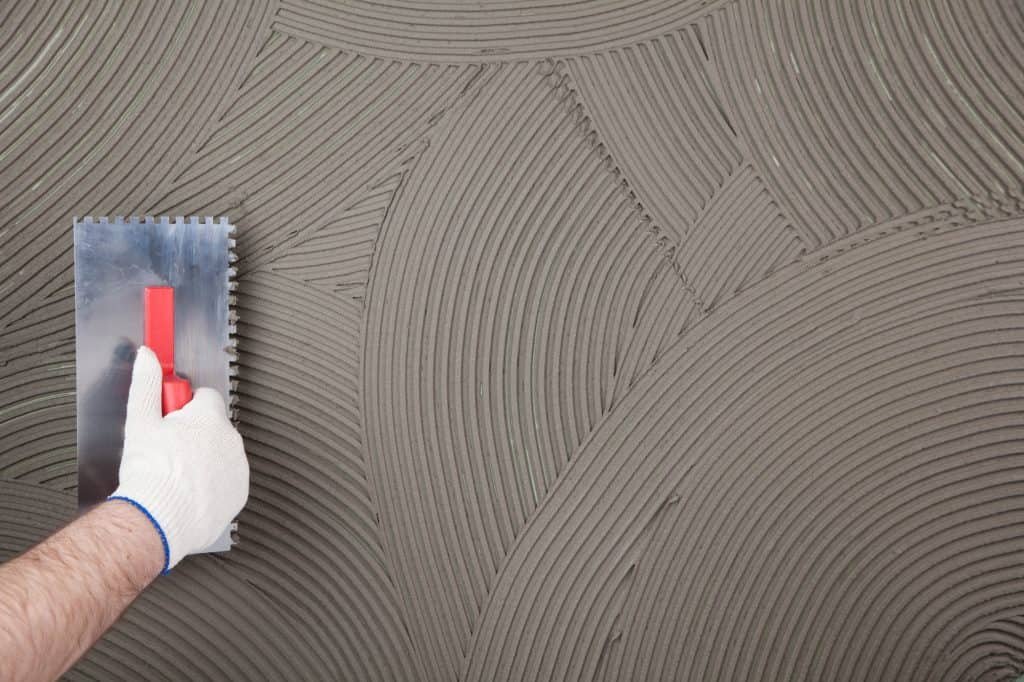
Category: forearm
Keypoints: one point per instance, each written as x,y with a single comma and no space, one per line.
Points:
59,597
187,470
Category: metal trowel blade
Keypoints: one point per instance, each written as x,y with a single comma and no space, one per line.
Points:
115,260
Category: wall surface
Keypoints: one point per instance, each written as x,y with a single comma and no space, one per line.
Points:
604,340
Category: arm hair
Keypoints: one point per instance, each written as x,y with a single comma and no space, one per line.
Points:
59,597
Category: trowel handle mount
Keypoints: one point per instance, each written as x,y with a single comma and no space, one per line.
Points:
158,335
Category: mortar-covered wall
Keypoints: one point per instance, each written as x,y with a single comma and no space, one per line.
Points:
606,340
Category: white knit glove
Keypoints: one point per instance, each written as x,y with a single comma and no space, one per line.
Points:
187,471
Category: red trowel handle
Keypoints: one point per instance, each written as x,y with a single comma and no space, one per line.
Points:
158,333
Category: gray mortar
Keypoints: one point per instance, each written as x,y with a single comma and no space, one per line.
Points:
618,340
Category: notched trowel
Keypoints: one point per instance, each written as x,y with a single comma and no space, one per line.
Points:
168,283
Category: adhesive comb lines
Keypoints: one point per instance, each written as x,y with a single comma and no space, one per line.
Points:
299,414
579,339
522,297
730,447
862,114
311,129
338,256
420,31
655,105
69,141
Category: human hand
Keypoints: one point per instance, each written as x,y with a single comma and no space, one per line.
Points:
187,471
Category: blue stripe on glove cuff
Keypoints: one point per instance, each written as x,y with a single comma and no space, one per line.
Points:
152,519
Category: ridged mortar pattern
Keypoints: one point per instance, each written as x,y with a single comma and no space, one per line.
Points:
603,340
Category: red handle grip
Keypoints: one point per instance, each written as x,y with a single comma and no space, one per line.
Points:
158,335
